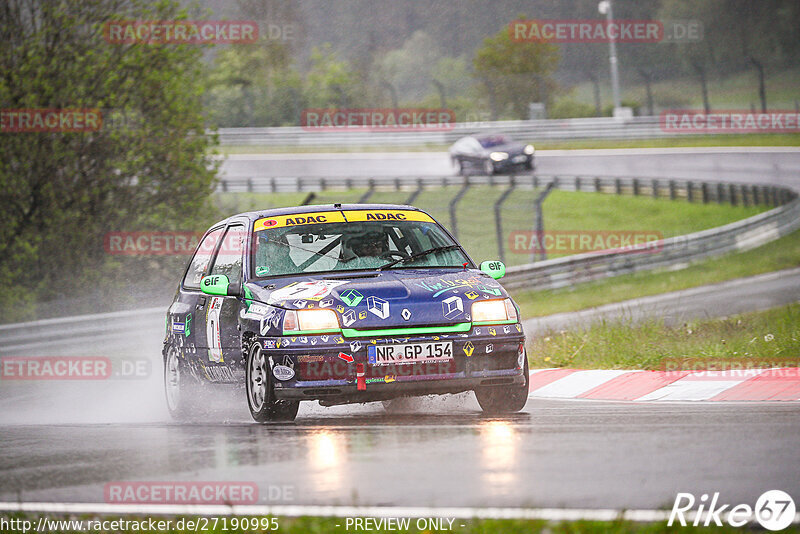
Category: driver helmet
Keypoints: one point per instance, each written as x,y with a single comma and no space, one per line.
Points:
369,244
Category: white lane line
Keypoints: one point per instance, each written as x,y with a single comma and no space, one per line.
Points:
547,514
576,383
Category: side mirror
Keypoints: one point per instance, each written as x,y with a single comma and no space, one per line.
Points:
218,284
495,269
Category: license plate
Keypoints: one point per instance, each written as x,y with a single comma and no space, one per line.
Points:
517,159
410,353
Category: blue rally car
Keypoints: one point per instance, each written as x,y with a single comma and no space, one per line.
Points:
340,304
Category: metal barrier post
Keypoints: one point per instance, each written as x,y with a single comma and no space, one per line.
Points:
498,218
540,220
416,192
368,193
454,202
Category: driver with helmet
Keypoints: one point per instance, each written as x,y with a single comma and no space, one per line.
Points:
367,249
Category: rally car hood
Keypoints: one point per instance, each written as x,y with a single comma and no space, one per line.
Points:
388,299
512,149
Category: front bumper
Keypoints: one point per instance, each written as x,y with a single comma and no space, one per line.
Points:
487,355
513,163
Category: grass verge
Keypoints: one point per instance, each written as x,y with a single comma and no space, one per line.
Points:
759,340
780,254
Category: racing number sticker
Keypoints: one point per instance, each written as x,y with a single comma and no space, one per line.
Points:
213,330
315,290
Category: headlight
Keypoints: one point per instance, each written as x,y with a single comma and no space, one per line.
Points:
493,310
498,156
310,320
528,149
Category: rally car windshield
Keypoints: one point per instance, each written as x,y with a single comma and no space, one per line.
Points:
350,246
493,141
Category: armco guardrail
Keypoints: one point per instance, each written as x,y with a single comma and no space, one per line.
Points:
560,272
705,191
675,252
531,130
42,335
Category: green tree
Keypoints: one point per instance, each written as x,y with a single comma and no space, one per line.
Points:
255,85
513,74
147,167
331,82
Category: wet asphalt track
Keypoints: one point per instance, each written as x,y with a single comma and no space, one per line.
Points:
760,165
441,453
65,442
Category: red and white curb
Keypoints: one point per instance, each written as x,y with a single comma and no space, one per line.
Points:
778,384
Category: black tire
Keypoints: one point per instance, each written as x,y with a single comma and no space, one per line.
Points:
504,399
529,164
181,389
260,393
488,167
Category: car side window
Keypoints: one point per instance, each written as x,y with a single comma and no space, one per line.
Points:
229,257
199,264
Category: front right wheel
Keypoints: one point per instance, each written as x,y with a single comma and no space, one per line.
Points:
264,407
504,399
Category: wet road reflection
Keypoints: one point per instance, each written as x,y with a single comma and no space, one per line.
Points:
576,454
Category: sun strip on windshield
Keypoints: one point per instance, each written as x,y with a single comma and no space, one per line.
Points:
321,217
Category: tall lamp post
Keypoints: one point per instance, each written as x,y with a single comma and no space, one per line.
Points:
605,8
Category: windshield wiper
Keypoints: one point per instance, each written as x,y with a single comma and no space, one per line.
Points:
417,256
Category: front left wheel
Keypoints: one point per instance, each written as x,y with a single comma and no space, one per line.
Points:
264,407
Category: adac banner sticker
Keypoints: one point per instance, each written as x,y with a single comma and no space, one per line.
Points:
322,217
387,215
299,219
